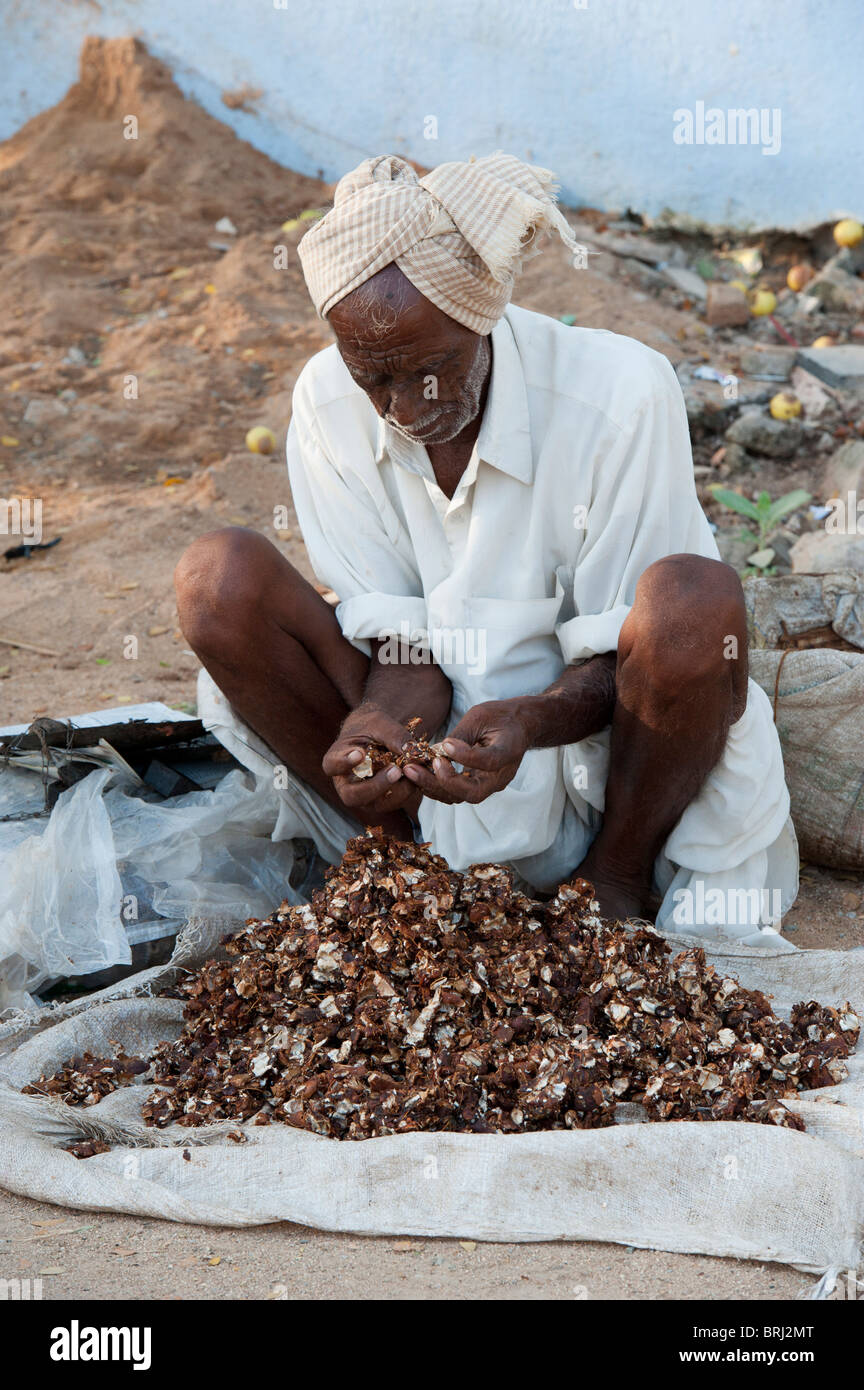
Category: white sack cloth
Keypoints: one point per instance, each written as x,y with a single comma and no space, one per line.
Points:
722,1188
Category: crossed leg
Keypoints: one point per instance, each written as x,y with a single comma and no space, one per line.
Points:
275,649
272,645
680,683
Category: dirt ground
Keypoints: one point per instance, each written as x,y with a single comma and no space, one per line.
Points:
151,342
91,1256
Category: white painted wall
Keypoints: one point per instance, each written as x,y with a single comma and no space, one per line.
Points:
589,91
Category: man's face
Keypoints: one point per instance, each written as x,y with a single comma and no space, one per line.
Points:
423,372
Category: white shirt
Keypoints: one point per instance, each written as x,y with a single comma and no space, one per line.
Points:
575,418
580,478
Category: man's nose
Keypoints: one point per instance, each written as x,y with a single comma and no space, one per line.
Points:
405,406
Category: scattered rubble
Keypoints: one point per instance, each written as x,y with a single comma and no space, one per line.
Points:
761,434
727,306
767,363
821,552
841,366
835,288
844,472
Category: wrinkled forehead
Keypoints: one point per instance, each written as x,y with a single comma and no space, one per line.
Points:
387,313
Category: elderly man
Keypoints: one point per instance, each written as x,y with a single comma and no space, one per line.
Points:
505,507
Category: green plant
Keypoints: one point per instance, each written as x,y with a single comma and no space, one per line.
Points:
766,515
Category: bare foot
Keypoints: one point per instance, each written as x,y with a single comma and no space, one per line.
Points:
619,898
617,903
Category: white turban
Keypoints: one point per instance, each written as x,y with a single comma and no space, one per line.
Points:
459,233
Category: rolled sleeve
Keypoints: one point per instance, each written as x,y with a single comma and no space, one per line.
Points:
380,615
592,634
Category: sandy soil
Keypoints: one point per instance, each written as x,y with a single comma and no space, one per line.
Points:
88,1255
160,342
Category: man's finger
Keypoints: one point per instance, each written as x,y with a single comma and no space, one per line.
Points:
340,758
476,755
361,791
465,786
428,783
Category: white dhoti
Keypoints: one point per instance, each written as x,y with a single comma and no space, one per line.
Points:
728,869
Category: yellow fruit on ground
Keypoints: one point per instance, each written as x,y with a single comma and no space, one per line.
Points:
848,232
826,340
799,275
763,302
260,440
785,406
740,285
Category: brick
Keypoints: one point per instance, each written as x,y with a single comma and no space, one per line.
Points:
727,306
841,366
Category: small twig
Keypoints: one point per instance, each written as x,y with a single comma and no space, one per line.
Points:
782,331
27,646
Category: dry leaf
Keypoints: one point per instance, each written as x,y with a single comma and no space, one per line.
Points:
157,631
216,1260
468,1245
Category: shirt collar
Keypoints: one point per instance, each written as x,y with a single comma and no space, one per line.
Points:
504,440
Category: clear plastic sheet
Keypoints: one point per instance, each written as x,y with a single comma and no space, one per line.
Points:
109,869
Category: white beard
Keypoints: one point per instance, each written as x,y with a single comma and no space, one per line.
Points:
452,422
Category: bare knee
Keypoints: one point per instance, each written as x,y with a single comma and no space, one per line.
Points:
221,582
688,626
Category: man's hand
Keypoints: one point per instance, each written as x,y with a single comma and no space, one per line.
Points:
387,790
492,739
490,743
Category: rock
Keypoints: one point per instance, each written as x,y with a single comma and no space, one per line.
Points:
733,551
75,357
761,434
768,363
43,410
736,459
850,259
841,366
642,249
821,552
844,472
642,274
782,545
813,396
686,280
726,305
835,288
